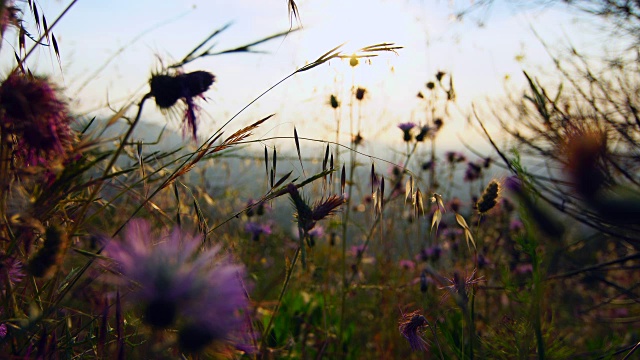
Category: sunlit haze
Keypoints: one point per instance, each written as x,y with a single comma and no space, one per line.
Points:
142,35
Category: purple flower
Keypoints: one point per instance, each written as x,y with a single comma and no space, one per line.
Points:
357,250
181,285
317,232
409,326
13,268
407,264
516,225
3,331
406,126
454,157
36,116
256,229
473,172
168,89
523,268
406,129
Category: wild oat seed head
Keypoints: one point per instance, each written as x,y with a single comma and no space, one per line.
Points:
360,92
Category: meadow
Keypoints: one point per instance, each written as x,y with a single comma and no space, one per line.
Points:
198,245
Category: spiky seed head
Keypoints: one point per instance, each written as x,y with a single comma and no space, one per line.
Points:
489,197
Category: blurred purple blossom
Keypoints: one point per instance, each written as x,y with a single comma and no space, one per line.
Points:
257,229
39,119
407,264
317,232
180,284
454,157
516,225
406,126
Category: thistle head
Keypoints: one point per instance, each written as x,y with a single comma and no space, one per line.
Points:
31,110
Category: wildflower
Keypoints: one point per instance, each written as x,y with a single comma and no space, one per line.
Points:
407,264
455,204
424,132
454,157
419,95
409,326
431,85
180,285
406,129
473,172
168,89
428,165
3,331
357,250
357,139
438,123
333,101
360,92
35,115
523,268
516,225
489,197
13,268
256,230
440,75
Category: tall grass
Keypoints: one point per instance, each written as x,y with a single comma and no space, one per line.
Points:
111,248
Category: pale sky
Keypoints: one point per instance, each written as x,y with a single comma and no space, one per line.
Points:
480,58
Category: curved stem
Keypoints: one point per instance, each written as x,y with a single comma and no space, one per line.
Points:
263,343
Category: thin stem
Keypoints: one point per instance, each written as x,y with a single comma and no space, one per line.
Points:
263,343
64,12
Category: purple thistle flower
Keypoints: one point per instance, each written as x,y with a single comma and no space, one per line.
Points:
357,250
35,115
168,89
406,126
409,326
406,129
256,229
473,172
13,267
180,285
3,331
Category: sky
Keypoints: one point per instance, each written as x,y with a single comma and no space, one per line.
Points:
109,49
